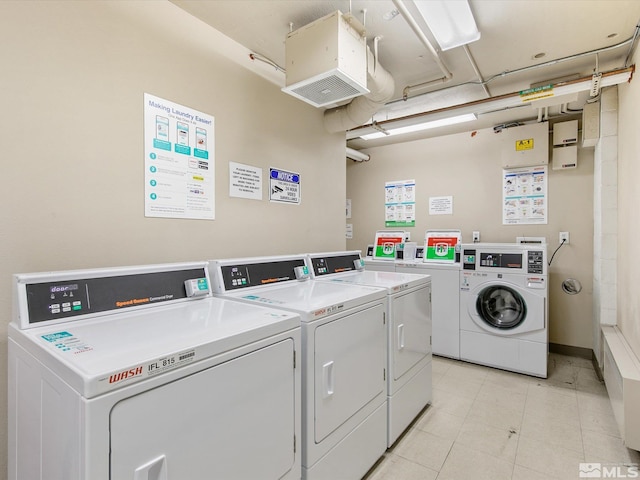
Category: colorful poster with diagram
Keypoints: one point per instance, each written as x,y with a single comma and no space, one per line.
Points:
524,196
179,179
400,203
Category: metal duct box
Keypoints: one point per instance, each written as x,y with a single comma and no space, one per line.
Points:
326,61
525,146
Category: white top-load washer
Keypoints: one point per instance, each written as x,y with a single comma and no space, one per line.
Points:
140,373
344,413
504,306
441,260
408,315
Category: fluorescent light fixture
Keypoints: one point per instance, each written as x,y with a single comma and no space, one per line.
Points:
450,21
467,117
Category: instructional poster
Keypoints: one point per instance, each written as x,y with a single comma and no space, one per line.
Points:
524,196
400,203
179,161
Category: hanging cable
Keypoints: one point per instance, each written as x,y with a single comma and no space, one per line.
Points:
556,251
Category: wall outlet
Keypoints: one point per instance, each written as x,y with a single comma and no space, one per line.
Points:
564,236
476,237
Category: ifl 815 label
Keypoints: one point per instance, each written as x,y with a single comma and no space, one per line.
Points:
169,362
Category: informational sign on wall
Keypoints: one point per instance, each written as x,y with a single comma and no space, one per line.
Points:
524,196
400,203
441,205
179,161
245,181
284,187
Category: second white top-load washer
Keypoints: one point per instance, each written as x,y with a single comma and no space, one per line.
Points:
139,373
408,316
344,414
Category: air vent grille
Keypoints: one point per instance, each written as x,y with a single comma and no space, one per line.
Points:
327,89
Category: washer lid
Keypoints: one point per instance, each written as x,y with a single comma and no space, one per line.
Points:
102,354
392,282
312,299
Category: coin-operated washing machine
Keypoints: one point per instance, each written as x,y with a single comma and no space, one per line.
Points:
504,307
441,260
140,373
408,316
344,408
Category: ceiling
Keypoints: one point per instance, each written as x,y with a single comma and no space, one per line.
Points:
515,34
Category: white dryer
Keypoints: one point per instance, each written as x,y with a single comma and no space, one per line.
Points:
408,316
504,307
139,373
344,414
441,261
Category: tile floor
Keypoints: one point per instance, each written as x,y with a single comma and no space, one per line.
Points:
491,424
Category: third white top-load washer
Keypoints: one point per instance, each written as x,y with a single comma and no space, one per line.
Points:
408,326
138,373
344,413
504,307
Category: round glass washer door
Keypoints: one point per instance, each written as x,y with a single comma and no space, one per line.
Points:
501,307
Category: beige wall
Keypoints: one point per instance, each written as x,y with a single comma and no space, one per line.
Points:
468,167
628,211
71,130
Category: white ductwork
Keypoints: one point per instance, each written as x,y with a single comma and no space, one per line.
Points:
360,110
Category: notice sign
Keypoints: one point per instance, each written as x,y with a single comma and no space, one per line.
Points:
284,186
245,181
179,161
441,205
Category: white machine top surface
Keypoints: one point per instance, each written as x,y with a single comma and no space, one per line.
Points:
392,282
101,354
311,299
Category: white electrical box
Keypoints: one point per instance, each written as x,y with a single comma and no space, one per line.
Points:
565,157
326,60
565,133
565,145
525,146
590,124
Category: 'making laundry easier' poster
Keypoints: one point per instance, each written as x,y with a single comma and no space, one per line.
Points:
178,161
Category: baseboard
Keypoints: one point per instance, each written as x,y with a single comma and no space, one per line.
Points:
579,352
570,351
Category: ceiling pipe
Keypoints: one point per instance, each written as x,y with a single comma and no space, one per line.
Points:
361,109
357,155
473,63
500,102
425,41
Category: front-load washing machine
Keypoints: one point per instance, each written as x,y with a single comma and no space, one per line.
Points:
504,307
408,315
344,413
441,261
140,373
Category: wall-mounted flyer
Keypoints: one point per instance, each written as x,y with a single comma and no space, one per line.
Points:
284,187
178,161
400,203
524,196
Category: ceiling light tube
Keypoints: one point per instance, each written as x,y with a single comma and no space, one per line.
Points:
467,117
450,21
